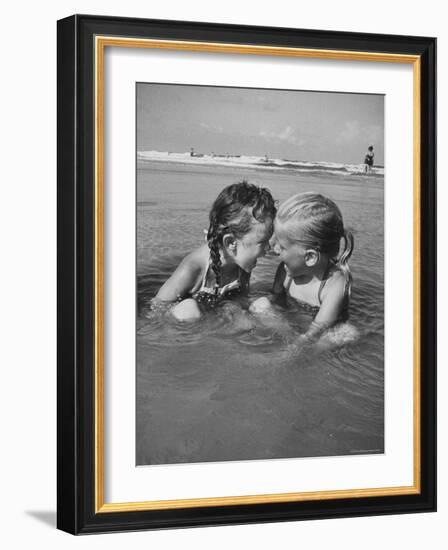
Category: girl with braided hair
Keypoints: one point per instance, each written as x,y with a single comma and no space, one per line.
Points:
241,225
314,269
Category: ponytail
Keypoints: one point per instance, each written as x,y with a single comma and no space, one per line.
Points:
349,243
342,262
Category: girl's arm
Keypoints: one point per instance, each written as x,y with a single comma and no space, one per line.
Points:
328,315
182,281
333,298
330,311
245,281
278,290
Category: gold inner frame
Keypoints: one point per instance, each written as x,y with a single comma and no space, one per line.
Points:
101,42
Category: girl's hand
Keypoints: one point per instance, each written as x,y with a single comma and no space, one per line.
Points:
294,350
306,341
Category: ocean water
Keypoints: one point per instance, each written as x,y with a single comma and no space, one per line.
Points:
264,163
225,388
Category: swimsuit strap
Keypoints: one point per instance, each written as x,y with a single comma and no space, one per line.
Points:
230,286
324,280
330,265
204,278
288,282
223,289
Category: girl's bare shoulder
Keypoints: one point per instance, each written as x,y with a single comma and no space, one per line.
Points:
197,258
336,282
185,278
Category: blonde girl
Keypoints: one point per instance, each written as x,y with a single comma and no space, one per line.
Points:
314,249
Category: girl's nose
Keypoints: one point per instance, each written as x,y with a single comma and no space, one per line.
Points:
273,249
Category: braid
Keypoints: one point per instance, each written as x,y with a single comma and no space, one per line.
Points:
213,244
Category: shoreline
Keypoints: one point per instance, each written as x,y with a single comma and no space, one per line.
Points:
258,163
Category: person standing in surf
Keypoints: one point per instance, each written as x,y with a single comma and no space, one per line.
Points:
368,160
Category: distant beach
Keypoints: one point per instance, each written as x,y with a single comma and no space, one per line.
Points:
259,163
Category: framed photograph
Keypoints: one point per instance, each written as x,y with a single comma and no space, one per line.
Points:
246,274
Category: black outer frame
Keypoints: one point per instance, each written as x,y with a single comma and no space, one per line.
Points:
75,172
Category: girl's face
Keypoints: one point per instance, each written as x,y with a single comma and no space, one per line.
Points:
293,254
253,245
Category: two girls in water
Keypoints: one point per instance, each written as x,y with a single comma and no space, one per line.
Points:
309,237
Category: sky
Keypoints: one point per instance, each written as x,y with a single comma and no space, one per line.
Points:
293,125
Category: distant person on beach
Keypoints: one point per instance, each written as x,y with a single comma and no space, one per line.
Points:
368,160
241,225
313,271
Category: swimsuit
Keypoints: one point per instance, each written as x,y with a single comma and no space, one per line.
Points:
314,310
368,160
210,296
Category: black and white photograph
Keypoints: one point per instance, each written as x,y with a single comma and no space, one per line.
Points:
191,361
260,274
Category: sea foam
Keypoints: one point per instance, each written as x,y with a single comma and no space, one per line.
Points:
259,163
